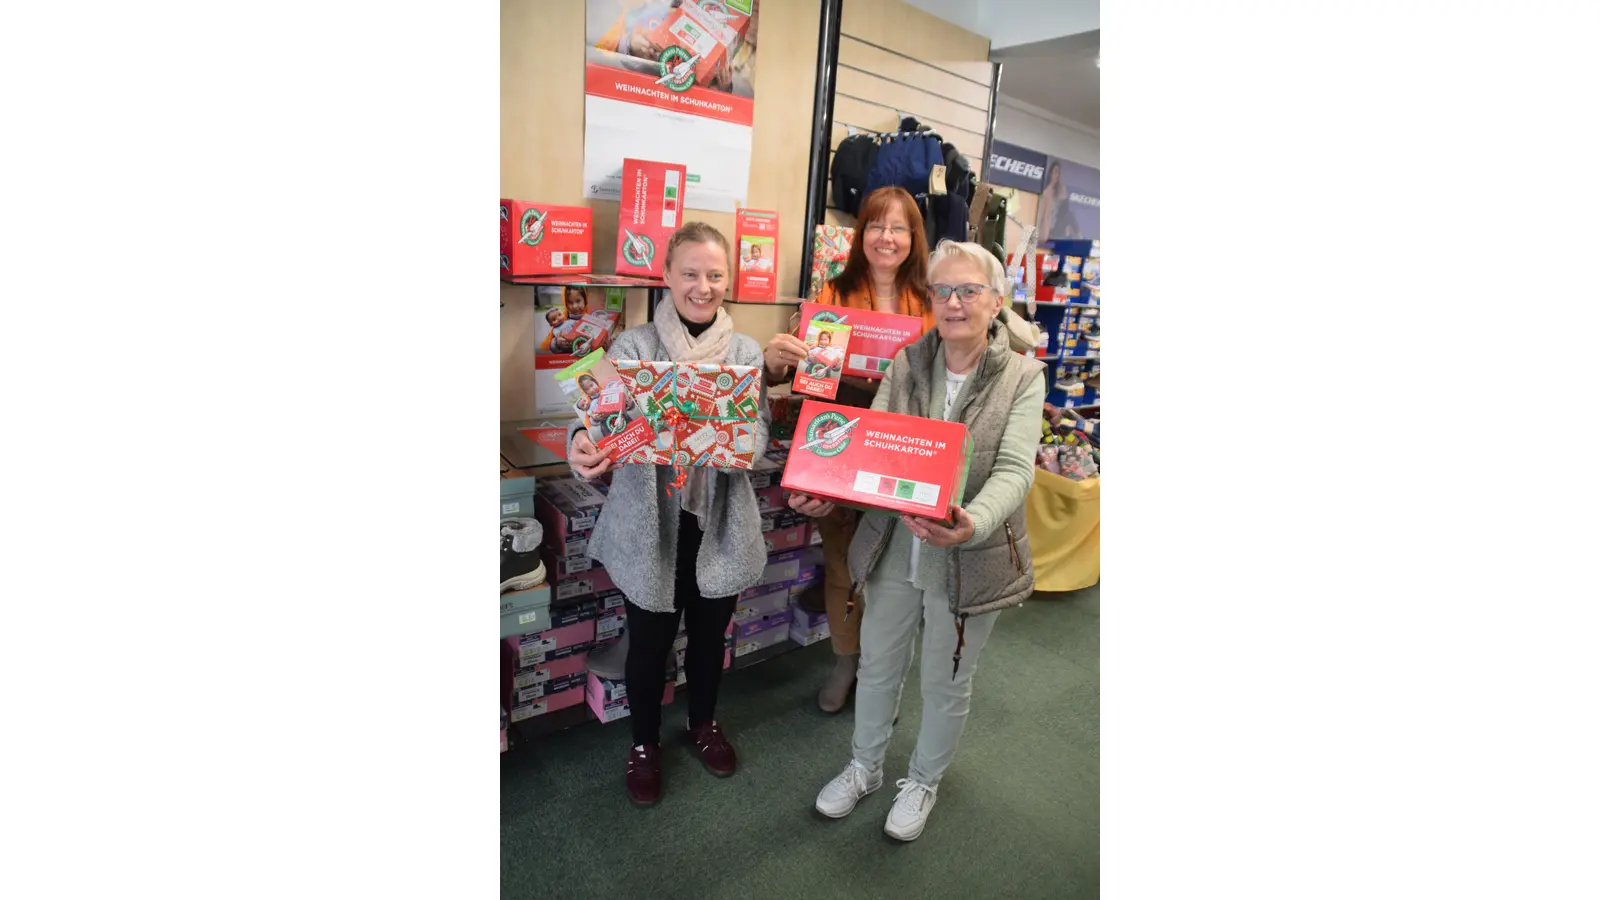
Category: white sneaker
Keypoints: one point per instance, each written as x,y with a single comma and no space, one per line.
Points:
840,795
911,808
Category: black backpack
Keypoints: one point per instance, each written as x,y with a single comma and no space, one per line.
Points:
852,161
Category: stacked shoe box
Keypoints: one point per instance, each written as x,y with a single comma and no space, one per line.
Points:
568,509
550,664
783,528
761,618
612,618
806,627
608,697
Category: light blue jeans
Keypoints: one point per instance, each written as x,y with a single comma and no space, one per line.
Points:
893,609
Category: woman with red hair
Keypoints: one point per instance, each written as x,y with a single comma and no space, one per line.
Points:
887,271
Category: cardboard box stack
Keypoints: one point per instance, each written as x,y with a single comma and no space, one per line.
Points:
550,663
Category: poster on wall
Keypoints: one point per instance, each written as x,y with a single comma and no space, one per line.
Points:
1069,192
670,80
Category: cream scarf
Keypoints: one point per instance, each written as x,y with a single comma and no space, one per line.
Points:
710,347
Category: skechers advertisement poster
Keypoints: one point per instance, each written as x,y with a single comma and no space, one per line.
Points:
672,75
1069,192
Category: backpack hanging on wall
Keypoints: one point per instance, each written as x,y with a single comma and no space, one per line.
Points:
987,220
854,158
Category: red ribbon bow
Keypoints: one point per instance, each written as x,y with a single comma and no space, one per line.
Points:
675,419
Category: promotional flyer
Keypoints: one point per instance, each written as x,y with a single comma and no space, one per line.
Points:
875,337
878,460
671,73
756,240
651,210
818,374
606,405
540,239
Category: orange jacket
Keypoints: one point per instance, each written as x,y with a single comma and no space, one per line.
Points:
910,303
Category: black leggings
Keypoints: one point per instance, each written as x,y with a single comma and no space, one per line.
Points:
650,637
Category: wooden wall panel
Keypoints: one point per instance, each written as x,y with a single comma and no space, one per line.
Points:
541,155
880,91
905,29
856,54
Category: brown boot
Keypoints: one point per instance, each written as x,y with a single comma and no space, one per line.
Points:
836,690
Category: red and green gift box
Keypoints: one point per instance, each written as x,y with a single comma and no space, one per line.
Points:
702,414
878,460
667,413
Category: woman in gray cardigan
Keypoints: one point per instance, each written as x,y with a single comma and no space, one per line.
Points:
690,553
951,580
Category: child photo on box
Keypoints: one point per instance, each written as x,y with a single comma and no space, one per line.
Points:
562,321
823,360
688,553
755,256
950,579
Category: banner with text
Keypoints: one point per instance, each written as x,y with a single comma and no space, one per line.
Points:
1069,192
670,80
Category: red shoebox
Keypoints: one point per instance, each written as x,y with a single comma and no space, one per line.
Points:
875,337
709,32
540,239
651,210
878,460
756,242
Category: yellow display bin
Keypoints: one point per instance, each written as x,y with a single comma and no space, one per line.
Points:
1064,531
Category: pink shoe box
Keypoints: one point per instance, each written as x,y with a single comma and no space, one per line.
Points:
608,627
594,581
610,601
559,642
785,539
566,567
754,606
572,696
568,508
551,677
772,499
815,539
609,699
783,518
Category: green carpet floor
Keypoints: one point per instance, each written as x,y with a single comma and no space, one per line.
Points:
1017,816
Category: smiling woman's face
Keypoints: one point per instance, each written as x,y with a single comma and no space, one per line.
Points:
957,321
698,278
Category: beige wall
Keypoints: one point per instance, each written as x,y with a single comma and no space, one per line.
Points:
541,156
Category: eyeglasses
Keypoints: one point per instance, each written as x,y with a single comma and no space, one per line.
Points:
968,293
877,229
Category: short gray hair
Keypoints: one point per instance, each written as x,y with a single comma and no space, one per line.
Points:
972,253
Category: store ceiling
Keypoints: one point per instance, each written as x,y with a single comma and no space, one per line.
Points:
1059,75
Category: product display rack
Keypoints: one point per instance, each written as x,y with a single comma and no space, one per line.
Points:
1051,316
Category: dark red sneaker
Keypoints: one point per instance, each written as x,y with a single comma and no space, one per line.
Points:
644,775
712,746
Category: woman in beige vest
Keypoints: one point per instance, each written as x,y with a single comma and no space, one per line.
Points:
951,580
